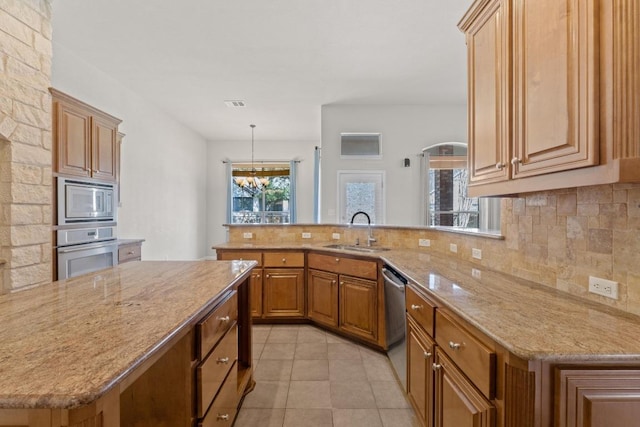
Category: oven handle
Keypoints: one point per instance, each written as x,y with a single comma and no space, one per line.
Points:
85,247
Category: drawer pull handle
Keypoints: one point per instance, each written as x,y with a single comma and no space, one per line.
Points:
224,417
436,366
427,355
416,307
224,319
224,360
454,345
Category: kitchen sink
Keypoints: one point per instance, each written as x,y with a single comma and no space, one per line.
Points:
357,248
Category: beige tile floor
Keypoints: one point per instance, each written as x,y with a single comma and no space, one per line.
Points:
306,377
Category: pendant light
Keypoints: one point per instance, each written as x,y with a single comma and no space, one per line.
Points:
253,182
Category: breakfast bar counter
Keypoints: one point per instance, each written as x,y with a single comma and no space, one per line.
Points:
81,342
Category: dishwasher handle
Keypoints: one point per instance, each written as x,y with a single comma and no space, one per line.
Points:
390,278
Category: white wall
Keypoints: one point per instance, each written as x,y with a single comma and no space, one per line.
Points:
163,168
405,130
219,151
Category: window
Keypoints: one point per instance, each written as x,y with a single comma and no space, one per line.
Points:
361,191
262,195
447,202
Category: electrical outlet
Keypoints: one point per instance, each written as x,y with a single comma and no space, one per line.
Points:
424,242
453,247
247,235
306,235
603,287
476,253
476,273
335,236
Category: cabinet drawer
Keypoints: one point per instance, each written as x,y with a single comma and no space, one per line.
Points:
341,265
224,407
243,255
129,253
284,259
212,372
216,324
420,309
472,356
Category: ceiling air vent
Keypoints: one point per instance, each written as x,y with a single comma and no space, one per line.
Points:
235,103
360,145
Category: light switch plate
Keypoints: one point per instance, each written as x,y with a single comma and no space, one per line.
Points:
306,235
335,236
453,247
247,235
476,253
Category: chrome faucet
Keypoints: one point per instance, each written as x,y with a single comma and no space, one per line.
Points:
370,238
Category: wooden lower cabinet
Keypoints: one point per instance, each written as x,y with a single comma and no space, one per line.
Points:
420,374
457,402
283,292
255,282
359,307
322,297
597,398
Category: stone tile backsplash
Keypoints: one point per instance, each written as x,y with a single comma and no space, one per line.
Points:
556,238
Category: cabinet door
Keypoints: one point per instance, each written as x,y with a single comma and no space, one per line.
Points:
103,149
255,282
322,297
359,307
73,140
420,358
597,398
283,292
457,402
555,86
488,104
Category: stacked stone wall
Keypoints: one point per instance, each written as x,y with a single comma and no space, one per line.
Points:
25,143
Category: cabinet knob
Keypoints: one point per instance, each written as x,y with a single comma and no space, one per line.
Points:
224,319
337,259
267,275
257,276
499,166
436,366
333,282
130,253
223,417
342,283
224,360
454,345
427,355
415,307
284,260
515,161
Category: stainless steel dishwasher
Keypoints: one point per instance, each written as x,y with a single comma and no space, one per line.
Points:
394,288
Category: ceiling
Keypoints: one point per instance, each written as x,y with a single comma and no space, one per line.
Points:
284,58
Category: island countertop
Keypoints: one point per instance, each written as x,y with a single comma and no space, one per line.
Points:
65,344
532,321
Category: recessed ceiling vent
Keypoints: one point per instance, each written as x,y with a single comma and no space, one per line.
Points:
235,103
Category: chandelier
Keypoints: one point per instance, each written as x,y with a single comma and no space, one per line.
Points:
253,183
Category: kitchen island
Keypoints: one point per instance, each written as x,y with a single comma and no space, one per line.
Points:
126,346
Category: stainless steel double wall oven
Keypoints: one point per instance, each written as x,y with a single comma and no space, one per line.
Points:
86,235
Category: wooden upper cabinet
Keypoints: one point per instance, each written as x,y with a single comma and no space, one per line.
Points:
555,86
86,139
488,62
73,140
552,89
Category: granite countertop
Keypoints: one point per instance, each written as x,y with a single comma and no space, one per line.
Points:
65,344
532,321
